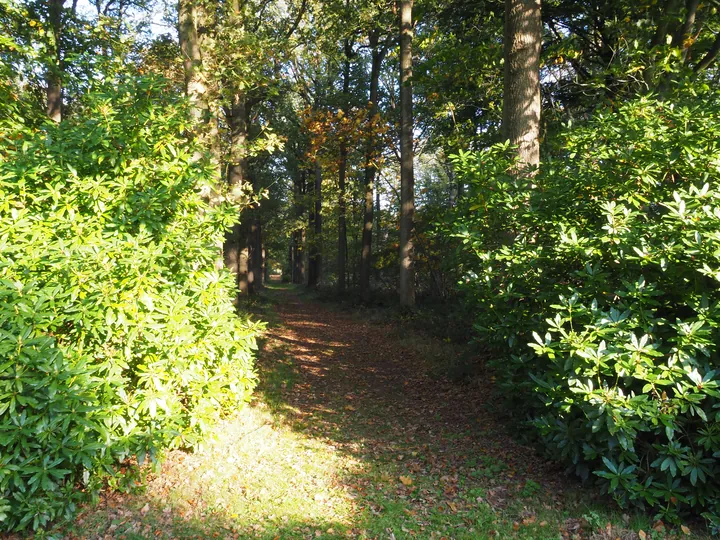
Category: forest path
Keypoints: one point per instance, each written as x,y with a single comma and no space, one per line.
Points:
350,435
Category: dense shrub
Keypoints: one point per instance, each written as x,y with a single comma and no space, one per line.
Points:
607,264
118,337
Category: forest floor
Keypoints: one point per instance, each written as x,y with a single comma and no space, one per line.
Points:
352,434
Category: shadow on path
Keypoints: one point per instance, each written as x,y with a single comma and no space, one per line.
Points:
349,435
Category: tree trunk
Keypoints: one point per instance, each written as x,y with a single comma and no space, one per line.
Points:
683,33
342,176
315,225
236,245
266,266
255,273
192,58
378,208
298,257
521,94
55,69
342,228
291,259
407,179
299,189
370,169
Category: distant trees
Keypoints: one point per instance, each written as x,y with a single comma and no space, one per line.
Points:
323,78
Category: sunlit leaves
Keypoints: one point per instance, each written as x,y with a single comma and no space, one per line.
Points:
119,337
603,275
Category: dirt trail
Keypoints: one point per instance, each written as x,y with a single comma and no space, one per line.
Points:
385,393
350,435
361,385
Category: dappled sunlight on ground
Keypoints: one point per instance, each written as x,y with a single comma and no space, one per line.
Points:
349,435
258,475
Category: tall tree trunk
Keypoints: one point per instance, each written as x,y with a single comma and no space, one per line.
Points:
377,228
266,266
370,169
192,58
342,227
521,94
683,33
236,248
55,69
255,274
342,177
315,225
299,190
407,178
298,270
291,258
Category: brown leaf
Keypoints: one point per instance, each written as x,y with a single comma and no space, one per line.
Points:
642,534
406,480
684,529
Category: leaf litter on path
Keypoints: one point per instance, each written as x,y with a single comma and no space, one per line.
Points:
351,434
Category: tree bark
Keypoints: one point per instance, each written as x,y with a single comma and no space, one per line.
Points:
298,257
235,248
370,169
342,177
192,57
315,225
55,69
342,227
710,56
679,40
407,178
521,95
255,273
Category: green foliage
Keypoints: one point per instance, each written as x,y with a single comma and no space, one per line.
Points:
607,263
118,337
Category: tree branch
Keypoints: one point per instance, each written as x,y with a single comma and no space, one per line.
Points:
296,23
709,56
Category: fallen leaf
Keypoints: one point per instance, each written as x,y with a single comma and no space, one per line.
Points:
642,534
684,529
406,480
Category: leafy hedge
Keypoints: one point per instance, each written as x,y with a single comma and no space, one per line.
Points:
118,337
597,281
